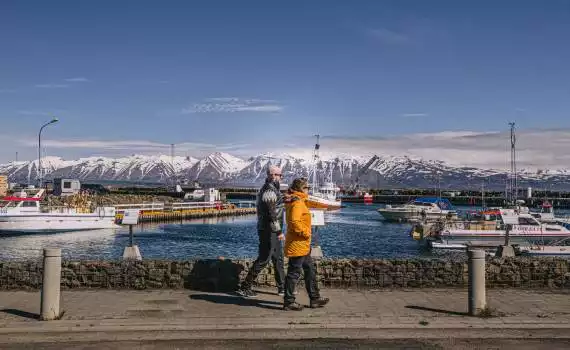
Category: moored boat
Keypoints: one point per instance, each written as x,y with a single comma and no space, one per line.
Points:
325,196
490,230
430,208
26,215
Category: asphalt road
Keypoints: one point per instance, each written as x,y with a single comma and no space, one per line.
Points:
518,344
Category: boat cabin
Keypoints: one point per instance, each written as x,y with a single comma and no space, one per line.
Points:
441,203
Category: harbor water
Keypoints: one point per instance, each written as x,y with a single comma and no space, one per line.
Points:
355,231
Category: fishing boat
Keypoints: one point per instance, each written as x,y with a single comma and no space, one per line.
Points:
25,214
323,197
430,208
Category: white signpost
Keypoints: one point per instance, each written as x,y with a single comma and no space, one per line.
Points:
317,220
131,217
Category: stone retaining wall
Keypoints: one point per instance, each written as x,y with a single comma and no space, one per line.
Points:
224,275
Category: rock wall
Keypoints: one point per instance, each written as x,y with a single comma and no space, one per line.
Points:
224,275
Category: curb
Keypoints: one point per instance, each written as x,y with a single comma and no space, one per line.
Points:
125,330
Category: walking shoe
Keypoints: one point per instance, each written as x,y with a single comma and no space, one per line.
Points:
293,307
281,292
246,293
320,302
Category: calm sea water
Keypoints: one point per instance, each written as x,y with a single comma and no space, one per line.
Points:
355,231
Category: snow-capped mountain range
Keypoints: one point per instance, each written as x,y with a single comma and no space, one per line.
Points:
227,170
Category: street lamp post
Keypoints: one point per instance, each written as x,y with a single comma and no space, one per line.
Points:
54,120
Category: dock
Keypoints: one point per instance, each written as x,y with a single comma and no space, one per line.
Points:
164,212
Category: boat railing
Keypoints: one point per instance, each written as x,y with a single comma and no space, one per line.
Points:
65,210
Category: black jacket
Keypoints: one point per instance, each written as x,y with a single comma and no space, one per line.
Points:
270,209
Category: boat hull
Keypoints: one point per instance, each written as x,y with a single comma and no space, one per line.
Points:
496,237
54,222
323,203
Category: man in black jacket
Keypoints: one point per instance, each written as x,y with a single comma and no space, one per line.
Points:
270,231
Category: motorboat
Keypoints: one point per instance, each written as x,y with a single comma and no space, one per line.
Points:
25,214
490,230
430,208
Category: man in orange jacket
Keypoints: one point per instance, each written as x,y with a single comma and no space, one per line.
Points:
298,248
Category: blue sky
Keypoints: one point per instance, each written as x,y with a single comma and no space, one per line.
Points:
249,76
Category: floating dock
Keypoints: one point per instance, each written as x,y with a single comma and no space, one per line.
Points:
163,212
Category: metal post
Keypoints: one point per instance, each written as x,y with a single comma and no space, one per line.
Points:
131,236
50,296
508,228
476,268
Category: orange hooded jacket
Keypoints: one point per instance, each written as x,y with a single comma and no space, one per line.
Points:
298,218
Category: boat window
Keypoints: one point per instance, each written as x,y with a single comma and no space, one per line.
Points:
29,204
527,221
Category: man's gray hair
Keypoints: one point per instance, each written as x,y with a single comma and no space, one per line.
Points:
273,169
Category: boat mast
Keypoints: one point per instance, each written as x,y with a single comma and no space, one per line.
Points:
315,162
483,194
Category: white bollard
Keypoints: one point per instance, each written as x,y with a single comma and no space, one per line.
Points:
476,266
51,284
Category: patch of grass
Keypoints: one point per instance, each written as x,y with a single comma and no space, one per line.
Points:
424,323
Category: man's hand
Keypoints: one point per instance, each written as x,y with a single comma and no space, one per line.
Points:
281,237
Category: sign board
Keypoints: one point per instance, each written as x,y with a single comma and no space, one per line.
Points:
317,218
130,217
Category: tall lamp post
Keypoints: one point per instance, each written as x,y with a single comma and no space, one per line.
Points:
53,121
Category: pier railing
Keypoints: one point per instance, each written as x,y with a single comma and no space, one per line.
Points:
153,206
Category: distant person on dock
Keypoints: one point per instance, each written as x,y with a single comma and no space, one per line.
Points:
298,248
270,231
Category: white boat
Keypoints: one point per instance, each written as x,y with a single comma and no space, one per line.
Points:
541,250
325,196
26,215
430,208
491,231
196,195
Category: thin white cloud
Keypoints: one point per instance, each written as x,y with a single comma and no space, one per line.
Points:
391,37
7,91
32,112
233,105
414,115
78,80
52,86
129,146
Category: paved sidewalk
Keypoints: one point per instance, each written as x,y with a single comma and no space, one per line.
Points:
181,314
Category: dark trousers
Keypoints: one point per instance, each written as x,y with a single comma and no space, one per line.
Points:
270,249
296,265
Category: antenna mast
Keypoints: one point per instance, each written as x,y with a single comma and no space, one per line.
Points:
513,184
